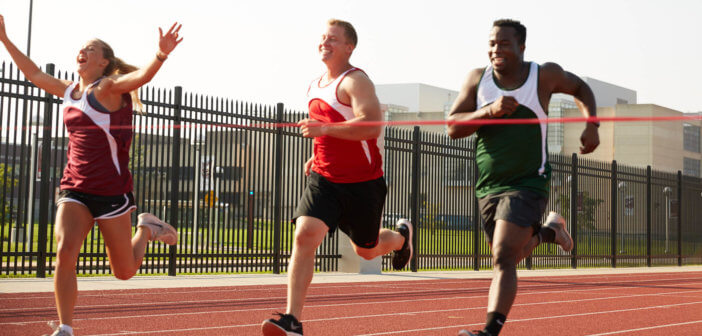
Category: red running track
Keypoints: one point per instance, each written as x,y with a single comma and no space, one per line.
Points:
619,304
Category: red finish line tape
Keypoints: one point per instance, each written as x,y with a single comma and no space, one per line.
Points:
477,122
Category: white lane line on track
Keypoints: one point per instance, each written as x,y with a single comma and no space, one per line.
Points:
364,303
368,293
390,284
238,289
174,330
648,328
539,318
141,332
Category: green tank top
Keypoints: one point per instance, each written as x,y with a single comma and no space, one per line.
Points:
512,157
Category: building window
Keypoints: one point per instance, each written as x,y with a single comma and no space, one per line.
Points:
622,101
691,167
556,109
691,138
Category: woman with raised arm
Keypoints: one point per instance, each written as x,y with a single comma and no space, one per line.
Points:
96,185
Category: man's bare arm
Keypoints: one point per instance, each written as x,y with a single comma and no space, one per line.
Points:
562,81
465,109
365,105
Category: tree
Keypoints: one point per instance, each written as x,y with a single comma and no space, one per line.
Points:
137,165
429,218
7,180
586,210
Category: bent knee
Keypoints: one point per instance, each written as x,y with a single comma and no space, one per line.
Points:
505,256
123,274
306,237
67,254
367,254
309,233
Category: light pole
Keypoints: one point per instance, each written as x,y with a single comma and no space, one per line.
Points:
196,196
29,30
33,142
622,188
667,191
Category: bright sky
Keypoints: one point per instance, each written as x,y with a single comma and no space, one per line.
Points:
265,51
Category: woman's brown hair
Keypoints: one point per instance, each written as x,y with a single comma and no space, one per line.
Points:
118,66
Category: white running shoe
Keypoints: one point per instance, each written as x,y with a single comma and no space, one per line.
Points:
61,332
58,331
160,230
557,223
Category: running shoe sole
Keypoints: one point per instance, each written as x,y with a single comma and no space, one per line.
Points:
166,234
269,328
410,228
557,223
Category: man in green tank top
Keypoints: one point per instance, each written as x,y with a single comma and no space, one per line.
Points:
514,174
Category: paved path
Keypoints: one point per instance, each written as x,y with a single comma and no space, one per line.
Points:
35,285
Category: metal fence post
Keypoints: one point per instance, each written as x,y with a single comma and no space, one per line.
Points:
415,195
680,218
45,183
613,229
574,210
175,172
476,214
31,194
648,215
278,190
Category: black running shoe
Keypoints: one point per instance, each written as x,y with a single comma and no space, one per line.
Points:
284,325
401,257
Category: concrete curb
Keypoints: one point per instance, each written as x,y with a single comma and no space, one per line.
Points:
34,285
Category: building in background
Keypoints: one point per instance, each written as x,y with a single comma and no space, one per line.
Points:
606,95
664,145
416,101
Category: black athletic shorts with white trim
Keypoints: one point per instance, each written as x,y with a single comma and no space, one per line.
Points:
522,207
101,207
355,208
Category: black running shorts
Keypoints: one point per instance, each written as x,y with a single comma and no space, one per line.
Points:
355,208
521,207
101,207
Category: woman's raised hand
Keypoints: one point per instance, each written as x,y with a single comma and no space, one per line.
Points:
170,40
3,34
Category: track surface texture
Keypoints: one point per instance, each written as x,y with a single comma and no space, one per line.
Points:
586,304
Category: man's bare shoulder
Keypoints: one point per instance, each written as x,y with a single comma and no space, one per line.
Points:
550,68
356,80
477,71
359,77
473,78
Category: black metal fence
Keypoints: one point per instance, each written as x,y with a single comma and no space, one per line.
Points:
229,181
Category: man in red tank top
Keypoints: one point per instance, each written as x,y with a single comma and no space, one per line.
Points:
346,188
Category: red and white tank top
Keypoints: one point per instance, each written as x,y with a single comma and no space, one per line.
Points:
339,160
98,146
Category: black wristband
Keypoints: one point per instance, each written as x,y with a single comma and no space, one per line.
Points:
161,58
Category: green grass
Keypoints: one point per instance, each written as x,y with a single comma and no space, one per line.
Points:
227,238
430,242
91,275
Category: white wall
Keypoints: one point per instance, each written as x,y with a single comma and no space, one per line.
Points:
606,94
416,97
399,94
